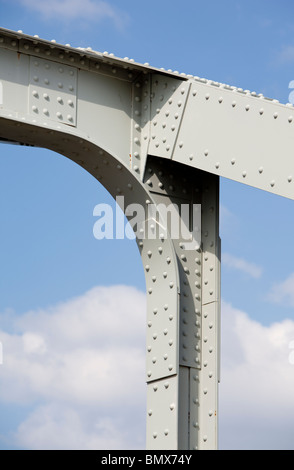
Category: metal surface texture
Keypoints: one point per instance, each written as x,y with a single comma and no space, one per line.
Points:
155,137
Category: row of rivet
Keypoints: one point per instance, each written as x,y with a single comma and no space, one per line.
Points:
53,45
171,407
206,401
155,312
76,55
247,107
233,162
192,309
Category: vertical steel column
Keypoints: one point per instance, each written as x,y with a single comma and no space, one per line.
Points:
182,402
206,435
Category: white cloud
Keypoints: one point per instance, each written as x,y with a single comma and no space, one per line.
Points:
257,381
242,265
286,55
228,220
283,292
84,361
80,368
68,10
45,426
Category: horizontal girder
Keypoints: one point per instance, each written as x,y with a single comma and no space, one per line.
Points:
213,127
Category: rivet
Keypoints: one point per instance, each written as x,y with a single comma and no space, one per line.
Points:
261,111
247,107
290,119
155,435
244,174
234,104
276,115
290,178
272,183
206,153
172,406
260,170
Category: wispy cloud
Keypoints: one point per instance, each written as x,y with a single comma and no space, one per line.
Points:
65,10
283,292
286,55
242,265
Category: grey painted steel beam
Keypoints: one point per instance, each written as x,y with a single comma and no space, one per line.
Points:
157,138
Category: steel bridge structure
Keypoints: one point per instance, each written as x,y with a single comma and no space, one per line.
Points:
157,137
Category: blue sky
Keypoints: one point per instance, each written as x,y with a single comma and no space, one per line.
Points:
54,273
